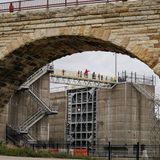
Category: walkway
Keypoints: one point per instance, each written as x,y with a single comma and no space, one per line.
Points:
45,4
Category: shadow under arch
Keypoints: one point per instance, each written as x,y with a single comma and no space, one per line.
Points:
18,65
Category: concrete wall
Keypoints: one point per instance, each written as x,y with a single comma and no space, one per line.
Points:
123,115
57,122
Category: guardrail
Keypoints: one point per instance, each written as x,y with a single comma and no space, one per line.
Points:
46,4
136,78
83,76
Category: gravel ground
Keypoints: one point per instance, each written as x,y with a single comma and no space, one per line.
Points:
27,158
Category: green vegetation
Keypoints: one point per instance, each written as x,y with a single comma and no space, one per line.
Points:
27,152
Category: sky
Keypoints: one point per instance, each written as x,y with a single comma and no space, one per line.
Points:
104,63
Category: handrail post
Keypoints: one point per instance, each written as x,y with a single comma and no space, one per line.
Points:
47,4
76,2
152,80
125,76
143,79
65,2
20,5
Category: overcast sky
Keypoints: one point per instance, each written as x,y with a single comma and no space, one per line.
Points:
104,63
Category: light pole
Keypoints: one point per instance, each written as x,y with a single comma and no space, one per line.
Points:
115,67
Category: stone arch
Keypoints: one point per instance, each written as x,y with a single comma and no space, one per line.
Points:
31,51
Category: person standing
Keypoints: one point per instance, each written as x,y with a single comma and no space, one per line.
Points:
99,76
78,74
93,75
11,7
63,71
86,73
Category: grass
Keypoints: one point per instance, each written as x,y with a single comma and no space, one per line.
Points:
27,152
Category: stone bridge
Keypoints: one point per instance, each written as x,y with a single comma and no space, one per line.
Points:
30,39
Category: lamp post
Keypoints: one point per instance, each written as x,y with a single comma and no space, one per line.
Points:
115,67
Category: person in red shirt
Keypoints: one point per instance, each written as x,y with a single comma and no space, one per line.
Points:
86,73
11,7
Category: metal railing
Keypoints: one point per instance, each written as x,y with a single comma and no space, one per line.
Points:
82,76
15,137
46,4
109,151
136,78
42,102
27,124
35,76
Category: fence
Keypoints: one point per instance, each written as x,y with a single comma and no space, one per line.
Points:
109,150
136,78
41,4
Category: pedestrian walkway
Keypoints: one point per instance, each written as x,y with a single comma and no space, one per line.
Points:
28,158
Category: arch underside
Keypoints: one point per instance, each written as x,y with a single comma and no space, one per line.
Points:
17,66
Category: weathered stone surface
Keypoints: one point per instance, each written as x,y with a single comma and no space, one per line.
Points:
30,39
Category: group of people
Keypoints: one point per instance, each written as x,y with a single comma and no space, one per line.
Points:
85,74
94,76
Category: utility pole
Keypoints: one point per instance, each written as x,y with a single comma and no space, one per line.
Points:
115,67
